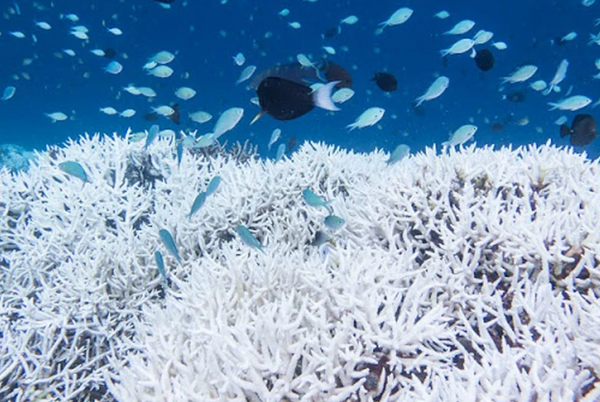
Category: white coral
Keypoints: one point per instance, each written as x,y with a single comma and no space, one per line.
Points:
470,275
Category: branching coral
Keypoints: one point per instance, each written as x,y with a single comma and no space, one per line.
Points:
471,274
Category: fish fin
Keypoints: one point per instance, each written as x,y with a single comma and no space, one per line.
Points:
565,131
322,97
258,116
351,126
554,105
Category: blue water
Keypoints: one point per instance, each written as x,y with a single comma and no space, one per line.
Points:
207,34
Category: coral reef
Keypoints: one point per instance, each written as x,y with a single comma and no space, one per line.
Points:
468,275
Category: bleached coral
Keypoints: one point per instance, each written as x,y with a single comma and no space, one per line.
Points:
471,275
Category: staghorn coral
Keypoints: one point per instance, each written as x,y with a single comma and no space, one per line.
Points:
472,274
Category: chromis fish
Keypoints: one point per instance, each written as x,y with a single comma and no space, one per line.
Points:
399,153
213,185
334,222
248,238
160,264
167,239
74,169
198,202
152,134
460,136
314,200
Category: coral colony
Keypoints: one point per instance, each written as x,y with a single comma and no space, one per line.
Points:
470,274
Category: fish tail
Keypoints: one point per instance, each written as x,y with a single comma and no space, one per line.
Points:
322,97
258,116
554,105
419,101
352,126
445,52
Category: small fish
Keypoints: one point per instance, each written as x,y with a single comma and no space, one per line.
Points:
482,37
213,185
329,49
460,28
115,31
239,59
17,34
114,67
160,264
9,92
559,76
246,74
400,16
152,135
147,92
127,113
161,71
522,74
385,81
284,13
442,15
57,116
109,110
460,47
185,93
500,45
162,57
572,103
198,202
227,121
179,151
399,153
435,90
274,137
342,95
460,136
350,20
248,238
314,200
334,222
43,25
295,25
74,169
200,117
163,110
169,243
369,117
280,152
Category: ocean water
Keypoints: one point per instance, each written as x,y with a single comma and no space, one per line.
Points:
206,34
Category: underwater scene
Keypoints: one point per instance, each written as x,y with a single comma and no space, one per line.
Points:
517,71
299,200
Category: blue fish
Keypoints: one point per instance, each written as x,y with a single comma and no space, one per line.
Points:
74,169
248,238
152,134
334,222
280,152
9,92
399,153
314,200
160,263
169,243
198,202
213,185
179,150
